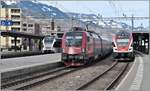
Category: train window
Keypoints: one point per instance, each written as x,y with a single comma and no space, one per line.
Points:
48,39
74,34
74,39
122,42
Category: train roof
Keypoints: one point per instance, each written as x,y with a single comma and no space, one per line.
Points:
78,29
108,38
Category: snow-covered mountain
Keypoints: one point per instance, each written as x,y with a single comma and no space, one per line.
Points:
96,20
36,9
10,2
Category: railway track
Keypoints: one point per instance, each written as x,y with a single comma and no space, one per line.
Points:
24,82
35,79
98,80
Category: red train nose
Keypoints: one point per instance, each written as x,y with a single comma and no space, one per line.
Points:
123,49
74,50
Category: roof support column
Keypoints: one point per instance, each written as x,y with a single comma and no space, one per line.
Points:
15,40
30,46
40,44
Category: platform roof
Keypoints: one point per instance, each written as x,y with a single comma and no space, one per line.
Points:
20,34
141,32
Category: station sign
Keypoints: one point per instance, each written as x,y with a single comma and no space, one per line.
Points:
6,22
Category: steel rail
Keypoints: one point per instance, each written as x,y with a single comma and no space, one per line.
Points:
97,77
113,82
33,81
18,80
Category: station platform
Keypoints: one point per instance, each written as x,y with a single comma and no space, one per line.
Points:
12,54
24,62
138,77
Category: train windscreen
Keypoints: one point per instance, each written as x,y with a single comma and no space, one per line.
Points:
122,38
74,39
122,42
48,40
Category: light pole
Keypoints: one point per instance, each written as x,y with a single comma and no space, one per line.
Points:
72,22
132,22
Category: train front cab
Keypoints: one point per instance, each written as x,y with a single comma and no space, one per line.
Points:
74,48
123,47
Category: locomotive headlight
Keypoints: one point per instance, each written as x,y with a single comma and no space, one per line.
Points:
130,49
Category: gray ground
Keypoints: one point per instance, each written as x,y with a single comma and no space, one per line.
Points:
6,64
131,84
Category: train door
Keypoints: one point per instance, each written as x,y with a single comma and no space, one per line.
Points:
89,45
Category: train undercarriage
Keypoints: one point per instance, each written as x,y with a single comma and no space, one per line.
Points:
123,56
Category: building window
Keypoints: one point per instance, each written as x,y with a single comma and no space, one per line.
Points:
15,10
15,16
30,30
13,41
48,27
15,29
16,23
18,41
24,25
24,29
30,25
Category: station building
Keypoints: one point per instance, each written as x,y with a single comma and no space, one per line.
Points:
31,27
13,14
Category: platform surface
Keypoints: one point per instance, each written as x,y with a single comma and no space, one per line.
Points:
138,78
20,62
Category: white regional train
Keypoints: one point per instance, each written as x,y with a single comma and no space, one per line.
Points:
51,44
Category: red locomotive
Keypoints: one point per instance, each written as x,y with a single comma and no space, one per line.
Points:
81,47
123,46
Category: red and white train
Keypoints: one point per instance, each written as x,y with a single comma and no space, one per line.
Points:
123,46
81,47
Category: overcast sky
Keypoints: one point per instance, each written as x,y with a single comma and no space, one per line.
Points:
105,8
